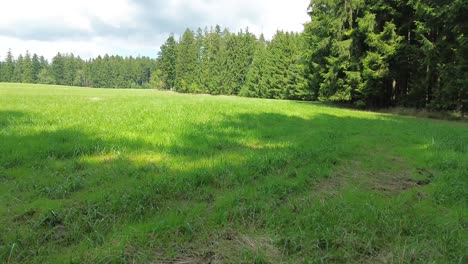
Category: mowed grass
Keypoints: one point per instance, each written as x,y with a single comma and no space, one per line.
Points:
117,176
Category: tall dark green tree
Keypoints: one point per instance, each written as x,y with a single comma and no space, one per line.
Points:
69,69
8,68
239,52
186,62
58,69
297,84
35,67
167,62
213,60
255,82
27,76
283,70
18,72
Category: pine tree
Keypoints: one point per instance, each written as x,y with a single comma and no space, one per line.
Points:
198,85
167,62
376,83
27,76
35,67
69,69
186,62
18,72
255,83
239,52
297,85
280,55
58,69
229,64
213,61
8,68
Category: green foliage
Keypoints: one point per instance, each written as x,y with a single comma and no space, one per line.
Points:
157,81
27,74
186,63
45,77
66,69
217,61
211,61
167,62
8,68
18,70
284,71
385,53
366,53
36,67
255,84
58,68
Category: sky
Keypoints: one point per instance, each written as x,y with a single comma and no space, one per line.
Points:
89,28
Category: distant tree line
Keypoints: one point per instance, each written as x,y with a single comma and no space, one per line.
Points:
66,69
368,53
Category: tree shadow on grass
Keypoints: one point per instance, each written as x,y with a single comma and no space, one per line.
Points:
8,118
239,149
229,168
233,133
32,148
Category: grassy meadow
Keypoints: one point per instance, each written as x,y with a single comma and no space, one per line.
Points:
138,176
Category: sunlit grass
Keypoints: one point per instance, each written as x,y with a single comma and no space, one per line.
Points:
97,175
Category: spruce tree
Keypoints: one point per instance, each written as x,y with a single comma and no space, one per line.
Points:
255,84
297,87
167,62
213,61
58,69
27,76
35,67
18,72
8,67
186,62
229,64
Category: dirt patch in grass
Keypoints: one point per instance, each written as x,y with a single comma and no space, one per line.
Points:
229,246
391,181
398,184
400,180
26,217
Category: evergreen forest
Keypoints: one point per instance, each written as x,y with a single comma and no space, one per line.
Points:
364,53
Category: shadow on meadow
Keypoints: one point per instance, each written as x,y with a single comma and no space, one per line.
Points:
244,172
8,118
32,146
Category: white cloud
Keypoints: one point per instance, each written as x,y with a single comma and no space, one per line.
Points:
132,27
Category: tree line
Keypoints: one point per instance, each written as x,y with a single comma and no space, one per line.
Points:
217,61
66,69
367,53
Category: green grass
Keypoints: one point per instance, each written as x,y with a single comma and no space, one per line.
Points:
96,175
